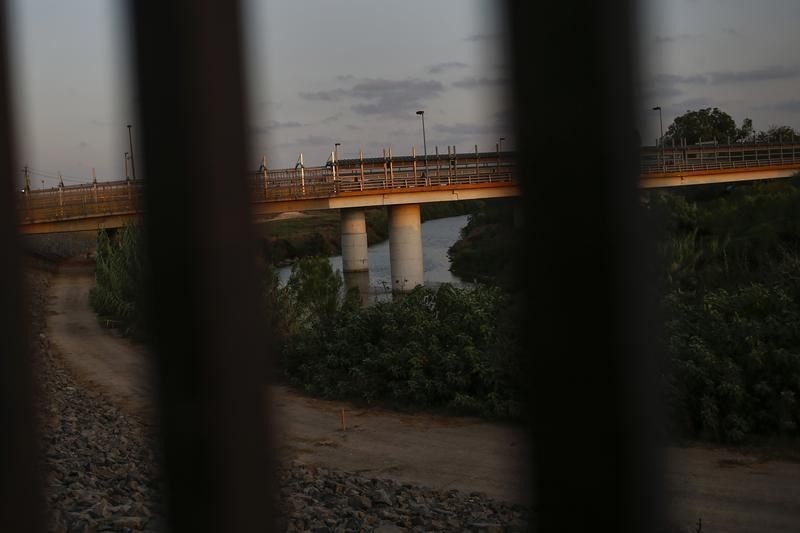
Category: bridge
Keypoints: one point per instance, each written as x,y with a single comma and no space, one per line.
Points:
401,183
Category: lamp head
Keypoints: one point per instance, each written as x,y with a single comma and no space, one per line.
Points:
420,112
657,108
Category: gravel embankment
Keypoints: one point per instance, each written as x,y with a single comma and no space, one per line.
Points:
101,474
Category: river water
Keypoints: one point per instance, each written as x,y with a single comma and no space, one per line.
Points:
437,236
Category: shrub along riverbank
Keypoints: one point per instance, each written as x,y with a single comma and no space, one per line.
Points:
487,249
728,279
452,348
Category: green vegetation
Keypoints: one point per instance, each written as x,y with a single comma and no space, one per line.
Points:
447,348
119,274
486,251
728,278
707,125
711,124
731,303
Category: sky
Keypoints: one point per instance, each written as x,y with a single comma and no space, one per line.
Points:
741,56
355,72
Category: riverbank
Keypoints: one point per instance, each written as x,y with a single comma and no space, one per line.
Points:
730,490
386,470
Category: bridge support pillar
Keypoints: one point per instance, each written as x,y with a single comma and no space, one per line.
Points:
405,247
354,241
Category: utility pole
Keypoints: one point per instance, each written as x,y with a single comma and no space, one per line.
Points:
661,137
130,140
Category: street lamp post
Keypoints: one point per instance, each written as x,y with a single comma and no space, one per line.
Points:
125,160
661,137
133,165
335,162
424,144
500,143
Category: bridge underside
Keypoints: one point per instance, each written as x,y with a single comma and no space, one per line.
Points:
90,223
386,197
261,210
705,177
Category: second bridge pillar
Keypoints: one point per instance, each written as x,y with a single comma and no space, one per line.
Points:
405,247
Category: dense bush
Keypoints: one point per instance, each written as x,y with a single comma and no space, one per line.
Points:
119,280
487,248
450,347
731,286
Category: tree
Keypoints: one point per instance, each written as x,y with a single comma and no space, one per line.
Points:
709,124
314,292
778,134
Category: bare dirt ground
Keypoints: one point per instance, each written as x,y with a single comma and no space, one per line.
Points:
729,491
437,452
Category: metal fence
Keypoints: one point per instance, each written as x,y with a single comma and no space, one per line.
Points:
589,333
698,158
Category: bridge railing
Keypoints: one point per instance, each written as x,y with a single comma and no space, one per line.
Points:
124,197
377,174
718,157
80,201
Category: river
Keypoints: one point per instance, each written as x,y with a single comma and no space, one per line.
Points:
437,236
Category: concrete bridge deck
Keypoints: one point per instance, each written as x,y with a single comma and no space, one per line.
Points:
388,180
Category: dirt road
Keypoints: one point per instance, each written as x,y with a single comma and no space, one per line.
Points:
439,452
728,490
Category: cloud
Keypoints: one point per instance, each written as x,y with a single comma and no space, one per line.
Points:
675,79
380,96
462,128
473,82
275,125
83,144
332,118
665,86
334,95
775,72
669,85
482,37
666,39
315,140
504,119
394,97
788,106
689,104
345,77
449,65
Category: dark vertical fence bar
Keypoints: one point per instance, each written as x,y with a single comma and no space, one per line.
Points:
210,356
593,455
21,504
